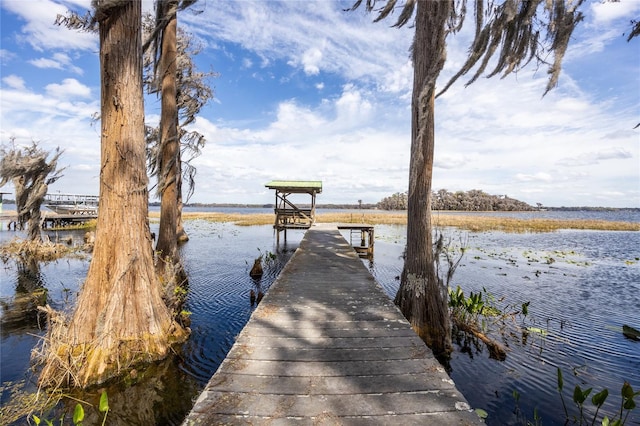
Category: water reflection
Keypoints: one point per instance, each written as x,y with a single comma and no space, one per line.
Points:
159,394
20,312
580,300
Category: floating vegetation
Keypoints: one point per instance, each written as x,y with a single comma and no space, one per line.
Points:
23,403
38,250
537,330
89,224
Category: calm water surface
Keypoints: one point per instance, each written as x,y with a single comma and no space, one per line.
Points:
581,285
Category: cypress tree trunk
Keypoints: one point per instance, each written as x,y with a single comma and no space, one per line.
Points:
181,234
120,318
422,297
167,246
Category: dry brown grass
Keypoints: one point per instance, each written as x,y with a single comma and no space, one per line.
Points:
241,219
509,224
475,223
38,250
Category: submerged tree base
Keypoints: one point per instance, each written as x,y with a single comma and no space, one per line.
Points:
83,364
429,317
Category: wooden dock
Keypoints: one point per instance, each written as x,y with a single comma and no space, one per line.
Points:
50,220
56,220
327,346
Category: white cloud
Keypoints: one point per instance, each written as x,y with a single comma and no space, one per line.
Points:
28,107
7,56
590,158
14,82
70,88
291,31
572,147
58,61
541,176
56,122
311,60
45,63
451,161
605,12
352,109
605,23
328,143
399,79
40,30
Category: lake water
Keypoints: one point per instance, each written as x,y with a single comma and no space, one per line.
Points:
581,285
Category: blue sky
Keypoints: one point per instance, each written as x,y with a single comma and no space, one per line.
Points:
308,91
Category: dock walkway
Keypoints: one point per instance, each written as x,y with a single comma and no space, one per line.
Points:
327,346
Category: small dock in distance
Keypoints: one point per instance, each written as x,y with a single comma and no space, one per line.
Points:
327,346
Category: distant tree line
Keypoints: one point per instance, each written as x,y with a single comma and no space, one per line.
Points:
473,200
397,201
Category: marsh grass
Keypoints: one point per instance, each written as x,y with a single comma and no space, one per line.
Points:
474,223
510,224
39,250
89,225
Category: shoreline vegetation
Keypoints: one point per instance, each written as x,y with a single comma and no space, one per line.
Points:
48,250
474,223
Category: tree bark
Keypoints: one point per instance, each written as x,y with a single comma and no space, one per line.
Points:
120,318
21,201
181,234
167,246
422,296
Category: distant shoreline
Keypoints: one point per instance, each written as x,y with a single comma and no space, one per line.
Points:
470,221
374,207
370,206
474,223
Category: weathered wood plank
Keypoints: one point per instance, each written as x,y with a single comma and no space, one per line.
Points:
327,368
327,346
345,329
336,343
461,418
327,385
358,404
329,354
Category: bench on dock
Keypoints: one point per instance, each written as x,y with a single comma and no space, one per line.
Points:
294,218
289,215
327,346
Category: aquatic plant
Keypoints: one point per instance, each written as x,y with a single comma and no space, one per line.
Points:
579,397
466,314
78,413
469,309
627,403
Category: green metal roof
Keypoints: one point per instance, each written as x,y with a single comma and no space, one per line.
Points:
296,185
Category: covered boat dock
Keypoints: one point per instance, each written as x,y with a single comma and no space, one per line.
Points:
288,214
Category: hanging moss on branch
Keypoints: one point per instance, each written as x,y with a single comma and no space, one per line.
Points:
31,172
508,35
